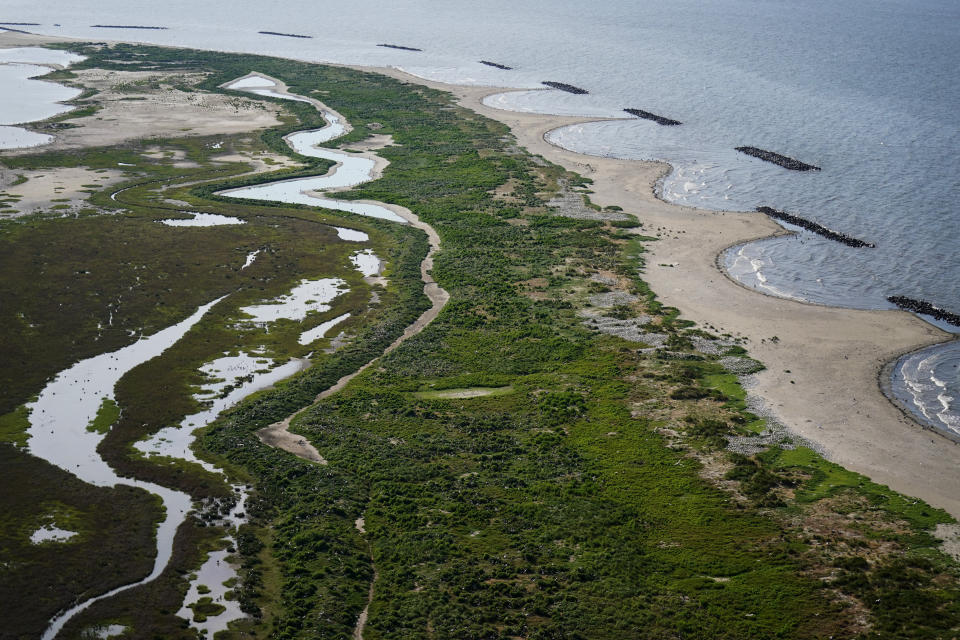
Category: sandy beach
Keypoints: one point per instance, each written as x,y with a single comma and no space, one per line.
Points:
823,363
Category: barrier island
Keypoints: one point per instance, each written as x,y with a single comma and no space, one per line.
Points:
556,455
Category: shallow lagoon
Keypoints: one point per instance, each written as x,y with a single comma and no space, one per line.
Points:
320,331
51,533
202,220
310,296
230,380
366,262
26,100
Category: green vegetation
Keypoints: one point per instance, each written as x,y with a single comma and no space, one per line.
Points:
114,544
107,414
14,425
592,496
204,608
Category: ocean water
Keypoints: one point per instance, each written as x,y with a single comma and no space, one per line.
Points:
922,380
865,90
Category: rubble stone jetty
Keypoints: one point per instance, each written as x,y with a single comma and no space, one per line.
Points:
927,309
124,26
496,64
784,161
397,46
285,35
646,115
563,86
814,227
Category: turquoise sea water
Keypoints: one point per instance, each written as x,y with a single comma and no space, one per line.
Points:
867,90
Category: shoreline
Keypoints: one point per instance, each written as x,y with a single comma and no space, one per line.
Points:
823,363
884,380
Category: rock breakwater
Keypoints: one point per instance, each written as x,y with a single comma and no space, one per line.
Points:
285,35
397,46
563,86
125,26
784,161
815,228
640,113
927,309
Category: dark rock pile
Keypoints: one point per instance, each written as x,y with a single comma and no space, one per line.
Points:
285,35
784,161
563,86
22,24
814,227
640,113
397,46
927,309
495,64
123,26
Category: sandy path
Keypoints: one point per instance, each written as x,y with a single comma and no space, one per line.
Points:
278,434
362,618
822,371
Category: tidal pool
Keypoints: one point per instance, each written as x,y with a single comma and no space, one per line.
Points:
202,220
308,296
366,262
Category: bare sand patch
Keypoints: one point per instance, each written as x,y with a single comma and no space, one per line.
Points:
376,141
259,162
159,153
473,392
949,536
137,104
176,157
64,188
23,39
